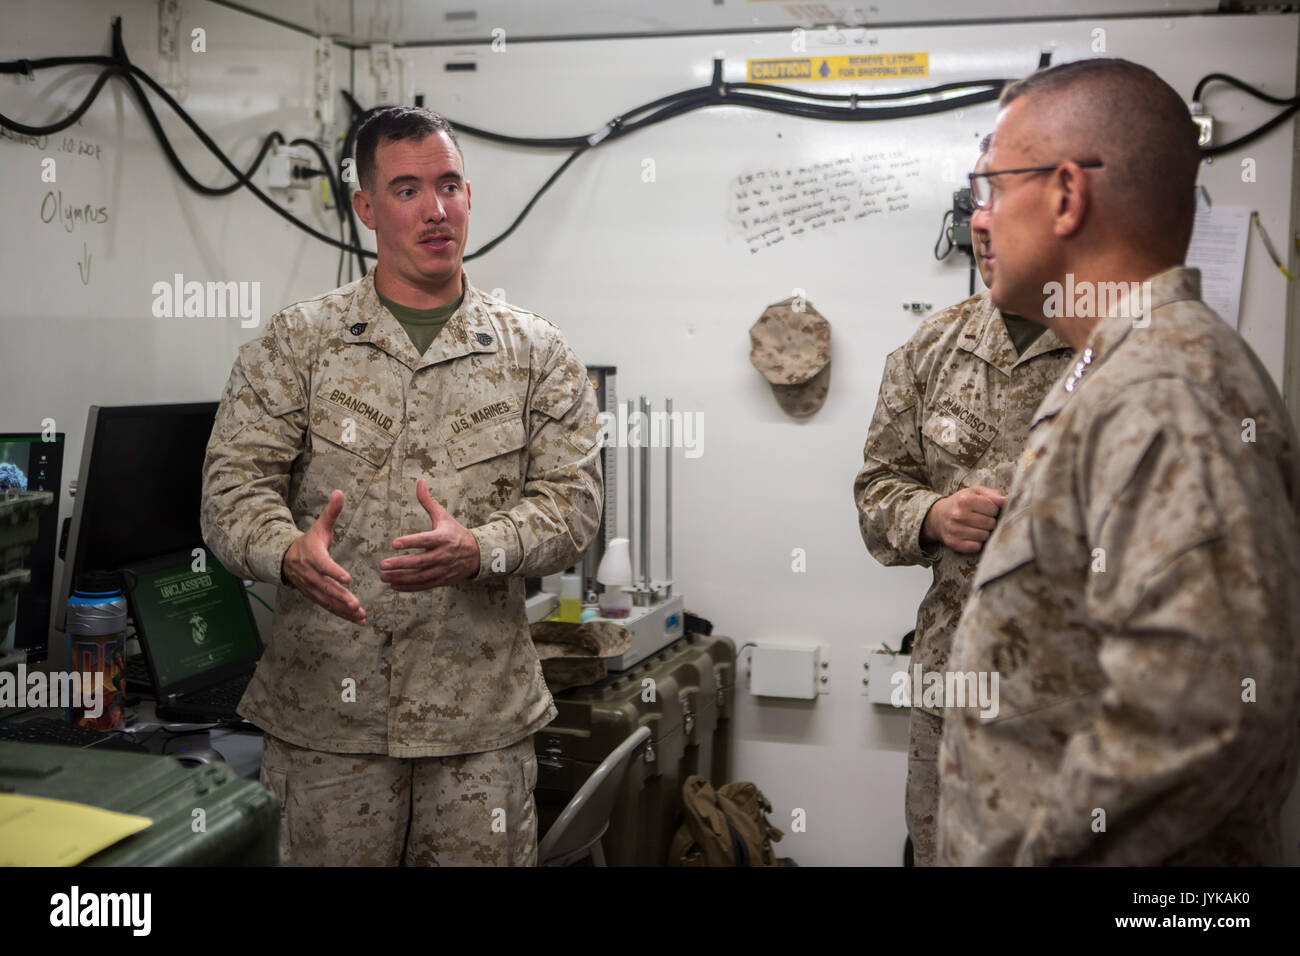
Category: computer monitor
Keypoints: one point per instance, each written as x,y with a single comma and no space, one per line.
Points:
139,487
31,461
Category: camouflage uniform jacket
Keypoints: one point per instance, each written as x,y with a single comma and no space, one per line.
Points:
1138,601
954,409
499,417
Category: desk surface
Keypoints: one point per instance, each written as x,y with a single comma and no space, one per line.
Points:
241,748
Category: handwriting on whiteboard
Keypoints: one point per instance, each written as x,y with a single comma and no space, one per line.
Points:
74,145
38,142
71,215
782,203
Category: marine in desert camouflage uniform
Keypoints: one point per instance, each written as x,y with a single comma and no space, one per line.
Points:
407,689
1138,597
952,416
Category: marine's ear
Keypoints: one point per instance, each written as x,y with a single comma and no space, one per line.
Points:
364,210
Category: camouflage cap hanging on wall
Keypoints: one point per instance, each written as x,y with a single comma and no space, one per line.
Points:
792,348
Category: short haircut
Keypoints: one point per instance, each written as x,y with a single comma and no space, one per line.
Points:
1138,125
985,143
391,124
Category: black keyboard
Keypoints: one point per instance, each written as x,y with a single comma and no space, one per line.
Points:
225,695
136,671
47,730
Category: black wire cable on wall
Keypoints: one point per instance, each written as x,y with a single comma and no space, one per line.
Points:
1292,104
784,100
120,65
719,93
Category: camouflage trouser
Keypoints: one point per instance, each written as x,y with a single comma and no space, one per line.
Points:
375,810
924,733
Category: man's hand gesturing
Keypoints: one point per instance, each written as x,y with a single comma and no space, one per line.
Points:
964,520
309,568
450,551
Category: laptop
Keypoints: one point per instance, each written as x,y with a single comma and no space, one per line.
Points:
198,634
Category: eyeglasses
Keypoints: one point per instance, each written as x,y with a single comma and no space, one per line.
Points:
981,190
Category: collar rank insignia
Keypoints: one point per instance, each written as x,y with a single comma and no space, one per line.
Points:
483,338
358,328
1079,368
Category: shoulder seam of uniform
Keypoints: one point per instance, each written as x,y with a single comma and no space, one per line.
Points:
324,295
529,313
320,326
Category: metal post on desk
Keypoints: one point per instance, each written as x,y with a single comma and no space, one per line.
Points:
668,504
645,507
631,492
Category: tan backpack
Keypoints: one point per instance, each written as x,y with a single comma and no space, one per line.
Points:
726,827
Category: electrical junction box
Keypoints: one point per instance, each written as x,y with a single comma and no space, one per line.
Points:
880,679
1204,124
280,164
798,671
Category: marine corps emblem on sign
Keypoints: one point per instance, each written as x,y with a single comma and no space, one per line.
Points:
198,628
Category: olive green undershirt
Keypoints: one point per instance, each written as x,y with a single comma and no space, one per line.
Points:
422,325
1023,332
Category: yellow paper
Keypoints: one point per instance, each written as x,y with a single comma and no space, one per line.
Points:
37,831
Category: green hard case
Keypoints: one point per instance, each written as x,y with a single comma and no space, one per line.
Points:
690,732
240,819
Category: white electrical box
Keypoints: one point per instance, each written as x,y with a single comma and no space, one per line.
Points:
797,671
882,679
280,164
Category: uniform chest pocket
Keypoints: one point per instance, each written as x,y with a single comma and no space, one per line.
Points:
961,443
480,444
351,432
347,453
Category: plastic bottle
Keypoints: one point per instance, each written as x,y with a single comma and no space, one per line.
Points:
571,598
96,648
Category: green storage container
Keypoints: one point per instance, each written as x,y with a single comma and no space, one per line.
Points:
689,719
241,819
705,677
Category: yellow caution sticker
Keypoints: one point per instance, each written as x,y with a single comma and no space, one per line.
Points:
865,66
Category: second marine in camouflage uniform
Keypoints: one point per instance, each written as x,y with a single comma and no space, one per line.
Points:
1138,601
954,409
